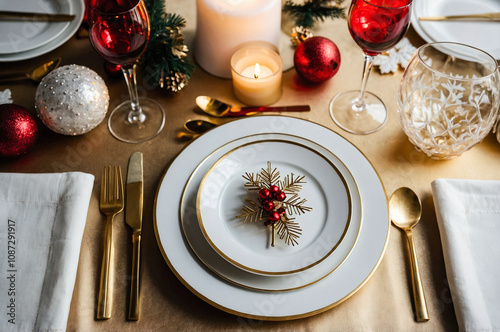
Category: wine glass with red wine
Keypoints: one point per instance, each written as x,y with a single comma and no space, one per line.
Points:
119,31
376,26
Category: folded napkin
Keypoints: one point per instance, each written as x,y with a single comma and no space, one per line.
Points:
468,214
42,217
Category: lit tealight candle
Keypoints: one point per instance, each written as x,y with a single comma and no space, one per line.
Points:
256,73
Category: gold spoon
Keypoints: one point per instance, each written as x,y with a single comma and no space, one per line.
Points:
219,109
36,74
199,126
405,210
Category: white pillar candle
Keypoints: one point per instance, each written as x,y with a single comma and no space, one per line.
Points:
256,87
222,26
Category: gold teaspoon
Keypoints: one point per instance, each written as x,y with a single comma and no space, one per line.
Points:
405,211
35,75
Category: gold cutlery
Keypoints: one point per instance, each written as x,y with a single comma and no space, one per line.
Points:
405,211
133,218
111,203
468,17
35,75
219,109
199,126
13,15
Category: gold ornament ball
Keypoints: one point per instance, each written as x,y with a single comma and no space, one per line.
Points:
72,100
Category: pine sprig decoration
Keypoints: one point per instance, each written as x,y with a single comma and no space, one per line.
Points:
165,60
290,231
312,11
251,213
272,207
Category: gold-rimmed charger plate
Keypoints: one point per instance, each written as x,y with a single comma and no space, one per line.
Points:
246,245
332,290
228,271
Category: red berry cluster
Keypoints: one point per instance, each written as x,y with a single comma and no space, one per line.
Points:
271,203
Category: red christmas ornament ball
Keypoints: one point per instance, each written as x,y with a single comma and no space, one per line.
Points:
317,59
264,193
268,205
274,216
274,189
280,196
18,130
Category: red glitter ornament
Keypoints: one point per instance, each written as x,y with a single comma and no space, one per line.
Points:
18,130
317,59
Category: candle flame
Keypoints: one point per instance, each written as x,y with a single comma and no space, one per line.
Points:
256,72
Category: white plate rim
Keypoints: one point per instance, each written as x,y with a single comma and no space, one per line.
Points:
230,253
77,9
46,35
321,296
306,279
429,38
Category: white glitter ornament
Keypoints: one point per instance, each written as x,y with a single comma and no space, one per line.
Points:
72,100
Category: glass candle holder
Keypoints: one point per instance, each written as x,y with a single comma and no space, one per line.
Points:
257,75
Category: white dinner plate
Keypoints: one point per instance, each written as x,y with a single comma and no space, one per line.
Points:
482,35
19,36
247,245
354,272
228,271
28,40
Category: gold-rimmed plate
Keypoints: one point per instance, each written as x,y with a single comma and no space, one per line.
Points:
332,290
246,245
228,271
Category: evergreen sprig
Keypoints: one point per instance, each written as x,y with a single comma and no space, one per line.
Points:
166,53
312,11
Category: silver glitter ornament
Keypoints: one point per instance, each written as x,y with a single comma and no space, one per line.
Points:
72,100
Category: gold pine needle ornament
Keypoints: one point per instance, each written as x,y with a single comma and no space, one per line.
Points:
277,201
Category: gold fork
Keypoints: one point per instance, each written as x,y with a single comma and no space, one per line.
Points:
111,203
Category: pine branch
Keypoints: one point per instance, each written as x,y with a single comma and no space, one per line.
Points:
295,205
253,182
166,54
269,176
312,11
250,213
291,185
288,230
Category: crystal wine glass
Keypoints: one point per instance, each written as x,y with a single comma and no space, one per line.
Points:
376,26
119,31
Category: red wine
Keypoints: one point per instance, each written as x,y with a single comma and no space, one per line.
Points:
119,36
377,25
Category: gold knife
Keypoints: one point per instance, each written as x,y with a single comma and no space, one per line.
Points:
12,15
133,218
469,17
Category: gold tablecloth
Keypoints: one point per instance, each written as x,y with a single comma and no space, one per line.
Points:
384,303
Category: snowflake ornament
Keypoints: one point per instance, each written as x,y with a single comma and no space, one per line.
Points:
399,55
5,97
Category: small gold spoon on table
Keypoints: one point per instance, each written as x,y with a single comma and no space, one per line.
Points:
219,109
35,75
405,210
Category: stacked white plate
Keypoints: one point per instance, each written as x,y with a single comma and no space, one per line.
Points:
482,35
230,263
25,39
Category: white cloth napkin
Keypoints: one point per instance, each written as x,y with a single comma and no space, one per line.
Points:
42,218
468,214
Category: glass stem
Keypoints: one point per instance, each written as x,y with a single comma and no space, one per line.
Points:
135,115
360,100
